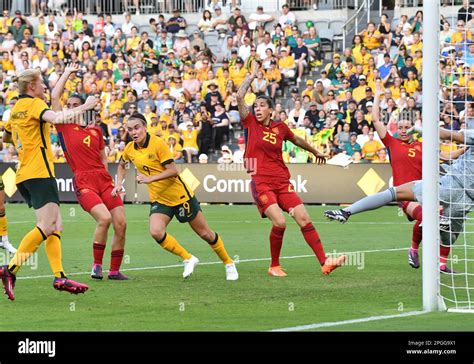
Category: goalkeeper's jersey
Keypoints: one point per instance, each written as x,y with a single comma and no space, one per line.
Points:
462,169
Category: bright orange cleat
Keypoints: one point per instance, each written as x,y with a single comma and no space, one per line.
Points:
276,272
332,263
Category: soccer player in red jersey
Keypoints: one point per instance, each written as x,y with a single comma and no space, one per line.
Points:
84,152
271,188
406,161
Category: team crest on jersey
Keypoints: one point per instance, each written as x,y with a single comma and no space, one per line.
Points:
151,156
276,131
76,128
93,132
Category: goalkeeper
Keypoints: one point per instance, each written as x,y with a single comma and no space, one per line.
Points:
455,192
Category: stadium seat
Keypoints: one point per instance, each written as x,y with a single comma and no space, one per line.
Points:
191,28
327,38
211,38
321,24
395,22
148,29
337,27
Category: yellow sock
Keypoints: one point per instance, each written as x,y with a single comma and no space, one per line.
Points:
3,224
219,249
170,244
53,251
28,246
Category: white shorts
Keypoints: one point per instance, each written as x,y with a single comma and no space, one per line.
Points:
193,151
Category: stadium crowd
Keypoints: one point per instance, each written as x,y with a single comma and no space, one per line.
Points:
184,77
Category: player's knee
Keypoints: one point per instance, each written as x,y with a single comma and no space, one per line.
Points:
158,234
281,223
207,235
104,221
120,226
47,229
303,220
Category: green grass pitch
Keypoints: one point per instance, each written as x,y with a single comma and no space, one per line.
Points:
157,298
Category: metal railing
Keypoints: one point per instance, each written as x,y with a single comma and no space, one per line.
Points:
363,10
89,7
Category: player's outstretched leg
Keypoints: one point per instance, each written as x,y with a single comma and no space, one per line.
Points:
368,203
200,226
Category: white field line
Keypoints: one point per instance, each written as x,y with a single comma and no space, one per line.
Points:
347,322
250,222
213,263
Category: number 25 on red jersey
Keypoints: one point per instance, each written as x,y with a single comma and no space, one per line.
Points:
269,137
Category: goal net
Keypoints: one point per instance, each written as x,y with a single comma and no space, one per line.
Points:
456,189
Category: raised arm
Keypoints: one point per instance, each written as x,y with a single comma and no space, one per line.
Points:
379,126
243,108
58,89
72,116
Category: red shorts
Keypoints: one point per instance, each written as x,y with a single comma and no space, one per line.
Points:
404,205
93,188
269,193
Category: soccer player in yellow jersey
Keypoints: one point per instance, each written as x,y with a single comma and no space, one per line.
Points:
29,129
169,196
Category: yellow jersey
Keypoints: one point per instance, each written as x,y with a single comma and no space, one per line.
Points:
30,135
150,160
190,139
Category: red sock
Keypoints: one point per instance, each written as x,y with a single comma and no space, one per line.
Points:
116,260
417,230
98,252
312,238
444,254
276,241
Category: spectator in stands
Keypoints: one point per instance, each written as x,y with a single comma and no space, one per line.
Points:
465,12
206,23
341,139
220,20
300,54
287,17
313,43
352,147
176,22
259,18
381,156
237,16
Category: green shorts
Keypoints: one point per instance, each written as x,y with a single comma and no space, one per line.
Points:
37,192
186,212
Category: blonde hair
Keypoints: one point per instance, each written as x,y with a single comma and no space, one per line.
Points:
27,76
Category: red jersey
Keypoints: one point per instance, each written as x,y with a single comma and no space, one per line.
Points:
82,147
263,153
405,158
